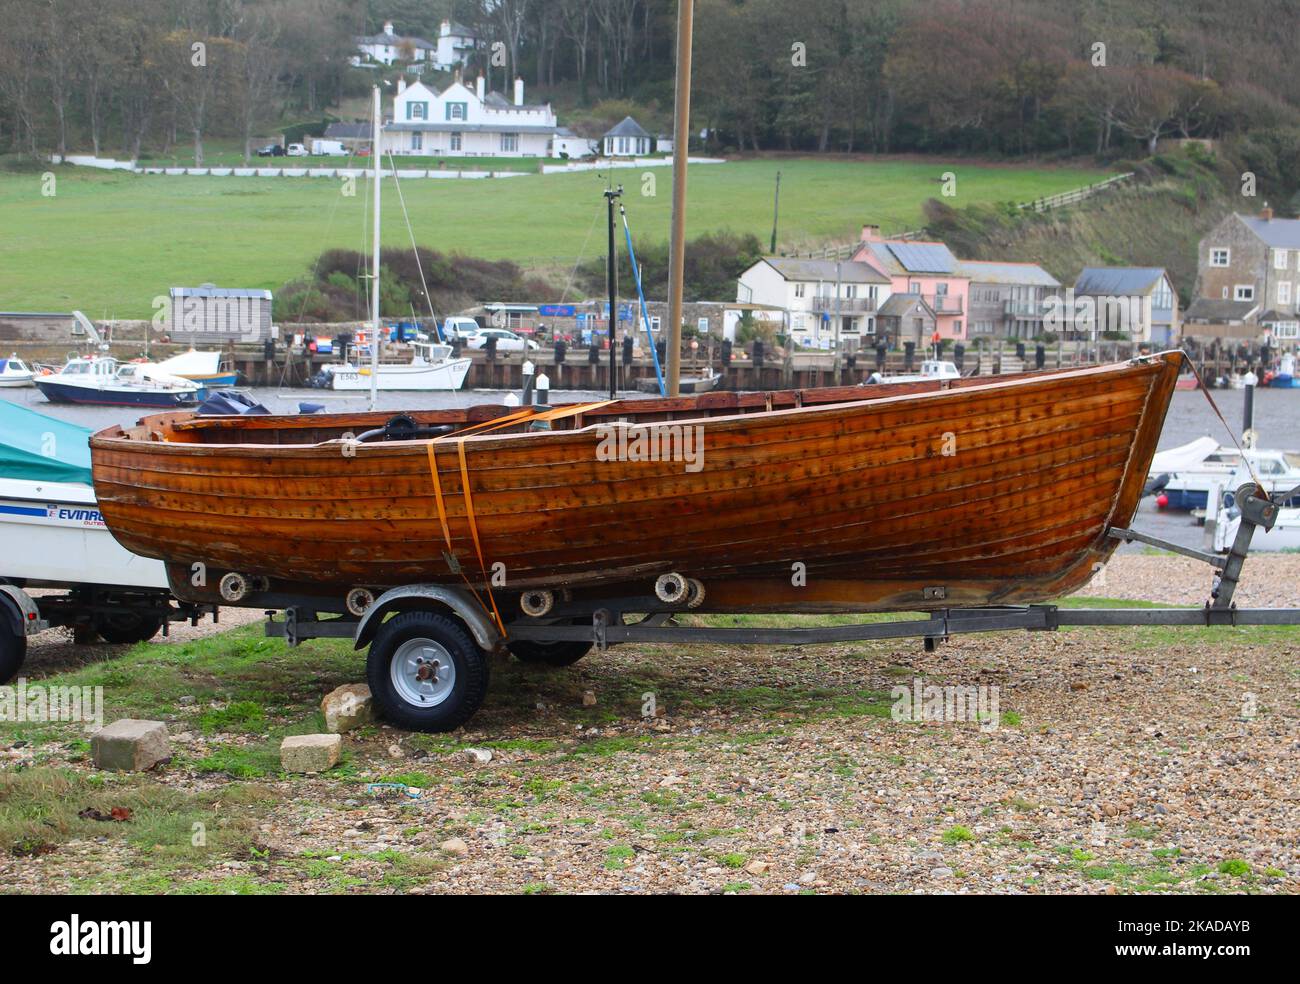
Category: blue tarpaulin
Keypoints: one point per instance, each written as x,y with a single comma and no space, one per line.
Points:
40,448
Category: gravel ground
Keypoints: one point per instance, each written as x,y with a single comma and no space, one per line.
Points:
1125,760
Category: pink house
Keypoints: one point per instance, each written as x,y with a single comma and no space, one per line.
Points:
925,269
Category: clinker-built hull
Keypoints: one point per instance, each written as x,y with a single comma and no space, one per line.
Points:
909,497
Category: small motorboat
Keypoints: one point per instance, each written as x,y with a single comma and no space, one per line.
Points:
432,368
14,372
1285,534
1285,377
706,382
203,368
100,380
1193,469
930,369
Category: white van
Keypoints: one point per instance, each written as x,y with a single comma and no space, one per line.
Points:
458,327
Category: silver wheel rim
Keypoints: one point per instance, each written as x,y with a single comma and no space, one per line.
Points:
422,672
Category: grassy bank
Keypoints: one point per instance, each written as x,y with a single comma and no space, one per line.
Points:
109,243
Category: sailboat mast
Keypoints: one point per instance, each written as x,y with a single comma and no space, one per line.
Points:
374,279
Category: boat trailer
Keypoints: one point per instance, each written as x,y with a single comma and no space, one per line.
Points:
559,632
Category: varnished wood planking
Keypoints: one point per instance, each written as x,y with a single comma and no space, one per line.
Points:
745,444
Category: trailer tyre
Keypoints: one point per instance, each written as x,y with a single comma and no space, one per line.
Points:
13,650
127,627
425,672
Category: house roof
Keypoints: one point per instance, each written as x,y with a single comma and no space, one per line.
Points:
1279,233
459,30
1272,317
1123,281
348,131
627,128
1212,309
899,304
1015,274
901,257
850,271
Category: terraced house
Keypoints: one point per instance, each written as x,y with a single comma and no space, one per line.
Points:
1255,260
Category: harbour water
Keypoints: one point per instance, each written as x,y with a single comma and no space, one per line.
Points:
1277,420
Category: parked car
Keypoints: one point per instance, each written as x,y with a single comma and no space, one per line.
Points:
459,327
296,150
270,150
507,341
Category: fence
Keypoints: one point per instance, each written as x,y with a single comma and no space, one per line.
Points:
1076,195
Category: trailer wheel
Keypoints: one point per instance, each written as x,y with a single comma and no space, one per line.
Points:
127,627
13,650
425,672
563,653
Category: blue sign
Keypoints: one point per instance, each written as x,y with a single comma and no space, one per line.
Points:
556,310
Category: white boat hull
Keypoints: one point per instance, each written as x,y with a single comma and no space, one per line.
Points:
54,536
448,375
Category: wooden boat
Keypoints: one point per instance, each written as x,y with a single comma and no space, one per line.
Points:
686,385
914,496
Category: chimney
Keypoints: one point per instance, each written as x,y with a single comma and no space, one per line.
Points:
519,92
871,234
455,75
401,84
1266,213
444,28
388,27
480,89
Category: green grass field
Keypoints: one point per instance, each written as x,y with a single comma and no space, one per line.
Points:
108,243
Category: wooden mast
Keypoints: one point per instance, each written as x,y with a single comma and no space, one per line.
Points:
681,146
374,281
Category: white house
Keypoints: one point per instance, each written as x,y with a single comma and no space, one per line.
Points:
388,47
455,45
569,144
467,122
807,290
627,139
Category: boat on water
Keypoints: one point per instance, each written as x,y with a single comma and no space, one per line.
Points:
100,380
1188,473
432,368
705,382
930,369
912,496
204,368
14,372
1285,377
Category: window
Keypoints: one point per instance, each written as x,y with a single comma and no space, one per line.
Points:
956,327
455,141
456,111
797,322
1279,259
850,290
1220,257
1284,292
702,325
509,143
914,287
1243,292
654,322
798,290
1287,329
871,326
1162,299
417,110
417,141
